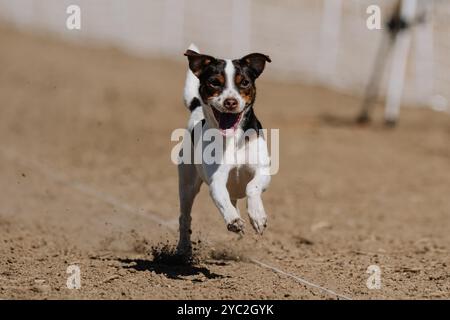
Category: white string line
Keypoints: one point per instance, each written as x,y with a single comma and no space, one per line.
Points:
109,199
301,280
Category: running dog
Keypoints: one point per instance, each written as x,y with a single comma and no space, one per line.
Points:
220,95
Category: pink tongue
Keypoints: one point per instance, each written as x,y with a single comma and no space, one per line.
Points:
227,120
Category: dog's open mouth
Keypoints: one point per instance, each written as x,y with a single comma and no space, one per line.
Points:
228,122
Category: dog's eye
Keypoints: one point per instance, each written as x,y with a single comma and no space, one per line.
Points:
245,83
215,83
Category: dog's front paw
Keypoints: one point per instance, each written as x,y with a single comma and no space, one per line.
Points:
236,225
259,223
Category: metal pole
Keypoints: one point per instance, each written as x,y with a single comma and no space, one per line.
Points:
400,55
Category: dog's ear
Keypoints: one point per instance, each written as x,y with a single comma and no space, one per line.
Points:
198,62
256,62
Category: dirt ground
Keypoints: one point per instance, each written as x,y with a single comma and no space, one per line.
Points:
86,179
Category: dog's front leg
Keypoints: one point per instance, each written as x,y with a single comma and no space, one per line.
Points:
255,207
221,197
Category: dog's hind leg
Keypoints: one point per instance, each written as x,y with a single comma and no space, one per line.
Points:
189,186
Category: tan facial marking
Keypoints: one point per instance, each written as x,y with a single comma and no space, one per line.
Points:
248,93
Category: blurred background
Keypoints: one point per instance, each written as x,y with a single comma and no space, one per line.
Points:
86,118
321,42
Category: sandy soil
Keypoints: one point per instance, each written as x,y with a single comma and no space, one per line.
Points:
86,179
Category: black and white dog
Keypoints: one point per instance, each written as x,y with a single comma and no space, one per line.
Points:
220,95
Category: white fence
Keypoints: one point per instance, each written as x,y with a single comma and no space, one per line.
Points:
317,41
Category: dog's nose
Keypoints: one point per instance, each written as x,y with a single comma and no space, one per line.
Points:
230,103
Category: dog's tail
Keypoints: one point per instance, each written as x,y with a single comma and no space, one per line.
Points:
191,95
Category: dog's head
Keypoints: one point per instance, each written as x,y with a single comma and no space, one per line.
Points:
227,87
